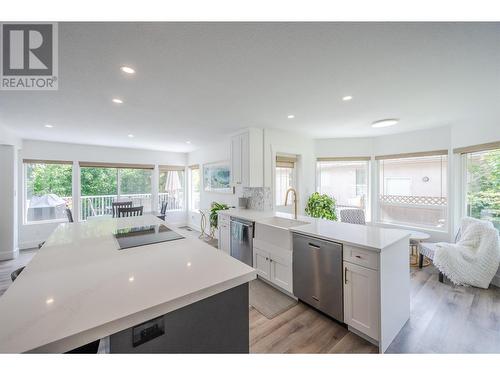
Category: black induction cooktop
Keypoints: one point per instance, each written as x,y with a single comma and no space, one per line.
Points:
144,235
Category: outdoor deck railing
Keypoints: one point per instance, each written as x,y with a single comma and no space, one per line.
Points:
98,205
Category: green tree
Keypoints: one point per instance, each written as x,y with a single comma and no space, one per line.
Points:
98,181
484,186
49,179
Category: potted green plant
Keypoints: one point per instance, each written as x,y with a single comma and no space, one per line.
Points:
321,206
215,207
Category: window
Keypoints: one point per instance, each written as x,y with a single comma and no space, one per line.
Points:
101,185
171,187
482,190
344,180
413,190
285,177
47,190
194,188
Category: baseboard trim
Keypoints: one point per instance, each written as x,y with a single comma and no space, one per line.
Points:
8,255
29,244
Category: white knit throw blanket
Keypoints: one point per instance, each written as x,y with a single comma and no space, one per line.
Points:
474,259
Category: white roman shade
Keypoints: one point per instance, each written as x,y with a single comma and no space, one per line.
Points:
285,161
477,148
115,165
412,155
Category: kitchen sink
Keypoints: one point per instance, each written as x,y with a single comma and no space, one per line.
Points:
275,231
282,222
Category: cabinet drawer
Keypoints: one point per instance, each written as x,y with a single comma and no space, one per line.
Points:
365,258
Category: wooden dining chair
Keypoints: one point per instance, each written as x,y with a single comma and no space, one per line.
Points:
130,211
117,205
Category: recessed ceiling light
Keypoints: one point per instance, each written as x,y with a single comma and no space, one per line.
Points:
347,98
131,278
385,122
117,101
127,69
49,301
49,126
188,142
291,116
130,136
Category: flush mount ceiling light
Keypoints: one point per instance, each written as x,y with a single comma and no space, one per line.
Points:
117,101
130,136
127,69
384,123
188,142
347,98
291,116
49,126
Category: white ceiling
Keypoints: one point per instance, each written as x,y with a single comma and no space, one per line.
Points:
200,81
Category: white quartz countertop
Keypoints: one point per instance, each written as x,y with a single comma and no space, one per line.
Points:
366,236
371,237
80,287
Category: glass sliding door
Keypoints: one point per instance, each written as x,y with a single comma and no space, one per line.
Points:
171,188
102,184
194,188
99,189
135,185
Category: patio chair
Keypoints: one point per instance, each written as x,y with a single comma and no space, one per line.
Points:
353,216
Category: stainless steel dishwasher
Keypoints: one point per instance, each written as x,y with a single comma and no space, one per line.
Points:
317,274
242,240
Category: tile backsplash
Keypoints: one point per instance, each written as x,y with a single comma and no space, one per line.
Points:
258,198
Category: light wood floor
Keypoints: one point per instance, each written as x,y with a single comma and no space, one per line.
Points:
444,319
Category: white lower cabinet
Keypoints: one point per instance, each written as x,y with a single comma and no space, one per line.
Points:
274,268
261,263
224,233
361,299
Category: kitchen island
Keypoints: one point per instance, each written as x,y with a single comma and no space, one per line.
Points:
80,287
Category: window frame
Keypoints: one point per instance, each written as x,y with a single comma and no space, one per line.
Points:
449,201
294,180
24,195
190,207
463,153
369,180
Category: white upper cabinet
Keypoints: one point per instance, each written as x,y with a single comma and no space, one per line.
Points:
247,158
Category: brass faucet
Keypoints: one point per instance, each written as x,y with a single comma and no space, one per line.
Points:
294,201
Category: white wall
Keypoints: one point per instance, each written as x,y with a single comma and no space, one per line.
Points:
475,133
9,144
7,137
30,235
343,147
212,153
8,206
423,140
